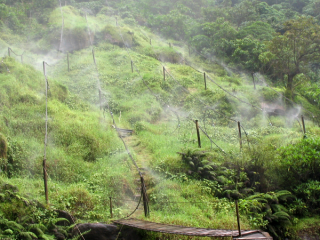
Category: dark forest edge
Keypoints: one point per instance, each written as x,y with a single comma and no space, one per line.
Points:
276,185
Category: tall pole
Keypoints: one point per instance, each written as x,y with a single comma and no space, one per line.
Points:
68,62
145,197
164,73
205,81
198,133
254,83
99,87
303,125
94,58
111,212
240,140
238,217
45,140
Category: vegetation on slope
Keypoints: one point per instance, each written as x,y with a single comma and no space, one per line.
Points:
274,176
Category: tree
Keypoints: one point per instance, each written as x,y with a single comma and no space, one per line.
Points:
292,53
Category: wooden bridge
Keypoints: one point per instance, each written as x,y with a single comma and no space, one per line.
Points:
191,231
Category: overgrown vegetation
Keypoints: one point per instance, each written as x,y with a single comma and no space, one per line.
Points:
274,175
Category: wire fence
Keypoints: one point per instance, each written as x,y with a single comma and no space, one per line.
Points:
161,100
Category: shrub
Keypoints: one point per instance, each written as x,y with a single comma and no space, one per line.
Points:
299,163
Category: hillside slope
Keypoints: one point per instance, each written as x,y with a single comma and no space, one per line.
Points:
122,74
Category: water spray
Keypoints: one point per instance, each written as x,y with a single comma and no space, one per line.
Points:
68,61
62,27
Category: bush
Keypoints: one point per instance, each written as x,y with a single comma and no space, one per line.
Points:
299,163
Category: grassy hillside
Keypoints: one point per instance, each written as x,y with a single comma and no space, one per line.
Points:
87,162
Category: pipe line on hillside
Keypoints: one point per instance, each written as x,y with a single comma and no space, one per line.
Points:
211,141
62,27
199,72
169,75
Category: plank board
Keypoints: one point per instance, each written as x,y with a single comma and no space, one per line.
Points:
181,230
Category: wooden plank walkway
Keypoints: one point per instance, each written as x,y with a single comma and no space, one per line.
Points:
190,231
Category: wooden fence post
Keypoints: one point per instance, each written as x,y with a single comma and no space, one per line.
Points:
198,133
303,125
94,58
240,140
254,83
145,197
238,217
205,81
164,74
111,212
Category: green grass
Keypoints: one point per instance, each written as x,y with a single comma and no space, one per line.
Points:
87,162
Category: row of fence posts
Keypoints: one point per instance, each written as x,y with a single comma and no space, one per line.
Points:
9,54
143,190
240,143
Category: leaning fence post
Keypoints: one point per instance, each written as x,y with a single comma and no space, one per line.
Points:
303,125
240,140
145,197
198,133
164,74
238,217
94,58
254,83
111,213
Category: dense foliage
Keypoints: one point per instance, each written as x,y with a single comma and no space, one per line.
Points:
141,82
